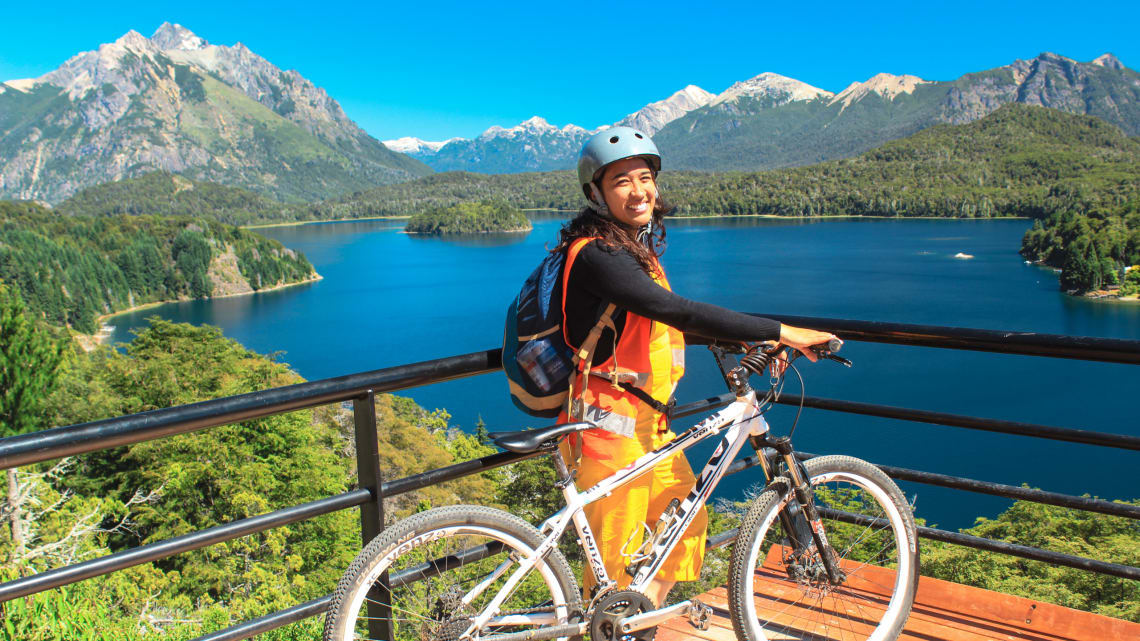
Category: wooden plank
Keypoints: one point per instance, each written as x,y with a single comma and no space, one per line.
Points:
943,611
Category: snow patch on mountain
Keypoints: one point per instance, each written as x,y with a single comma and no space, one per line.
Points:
534,126
175,36
413,145
652,117
780,89
884,84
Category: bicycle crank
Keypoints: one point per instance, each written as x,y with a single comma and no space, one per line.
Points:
613,609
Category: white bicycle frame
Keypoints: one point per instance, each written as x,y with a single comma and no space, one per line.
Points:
742,418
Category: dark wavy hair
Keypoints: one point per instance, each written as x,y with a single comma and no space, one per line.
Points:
616,235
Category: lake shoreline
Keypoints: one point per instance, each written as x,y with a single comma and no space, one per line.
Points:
91,341
297,223
466,233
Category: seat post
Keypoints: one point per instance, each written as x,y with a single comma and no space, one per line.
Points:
562,474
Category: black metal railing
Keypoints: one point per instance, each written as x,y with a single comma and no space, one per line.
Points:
361,388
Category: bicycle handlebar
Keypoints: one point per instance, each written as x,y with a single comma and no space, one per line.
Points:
757,357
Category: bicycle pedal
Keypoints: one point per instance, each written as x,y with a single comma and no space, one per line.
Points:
699,615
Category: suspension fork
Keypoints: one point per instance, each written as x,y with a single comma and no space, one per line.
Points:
799,519
795,527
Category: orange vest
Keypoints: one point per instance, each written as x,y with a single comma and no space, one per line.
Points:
649,355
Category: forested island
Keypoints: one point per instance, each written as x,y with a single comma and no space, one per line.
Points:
73,269
1096,251
469,218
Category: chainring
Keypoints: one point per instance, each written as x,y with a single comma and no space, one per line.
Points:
612,608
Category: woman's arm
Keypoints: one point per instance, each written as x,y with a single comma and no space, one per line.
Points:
616,277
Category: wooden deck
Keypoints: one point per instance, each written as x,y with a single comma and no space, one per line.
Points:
943,611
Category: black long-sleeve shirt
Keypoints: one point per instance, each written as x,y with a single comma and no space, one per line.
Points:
601,275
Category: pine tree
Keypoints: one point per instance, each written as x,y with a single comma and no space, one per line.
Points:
29,370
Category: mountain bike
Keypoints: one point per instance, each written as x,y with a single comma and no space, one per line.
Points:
827,550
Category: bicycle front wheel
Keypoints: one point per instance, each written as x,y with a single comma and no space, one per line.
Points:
778,592
430,575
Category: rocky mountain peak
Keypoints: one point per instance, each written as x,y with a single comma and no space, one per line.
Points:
1050,57
167,82
131,40
780,89
175,36
884,84
652,117
92,69
1110,61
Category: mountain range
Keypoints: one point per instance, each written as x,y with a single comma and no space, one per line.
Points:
773,121
176,103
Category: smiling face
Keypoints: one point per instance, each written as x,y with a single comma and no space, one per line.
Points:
630,191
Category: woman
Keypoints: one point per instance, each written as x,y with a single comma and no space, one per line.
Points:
612,249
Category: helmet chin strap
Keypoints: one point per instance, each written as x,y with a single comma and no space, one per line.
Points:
645,233
598,202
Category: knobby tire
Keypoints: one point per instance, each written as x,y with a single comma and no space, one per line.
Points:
794,599
433,561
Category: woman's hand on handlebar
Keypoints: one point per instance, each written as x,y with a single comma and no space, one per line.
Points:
802,339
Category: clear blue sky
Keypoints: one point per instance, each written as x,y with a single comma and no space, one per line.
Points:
441,69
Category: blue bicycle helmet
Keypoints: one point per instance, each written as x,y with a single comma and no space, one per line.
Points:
611,145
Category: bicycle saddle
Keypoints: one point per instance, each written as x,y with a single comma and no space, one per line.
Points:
526,441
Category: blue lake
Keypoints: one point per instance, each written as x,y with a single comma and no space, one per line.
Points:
388,298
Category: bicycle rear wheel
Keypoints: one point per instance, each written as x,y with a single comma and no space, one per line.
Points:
442,568
775,594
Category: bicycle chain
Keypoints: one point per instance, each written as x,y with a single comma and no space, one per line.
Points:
534,610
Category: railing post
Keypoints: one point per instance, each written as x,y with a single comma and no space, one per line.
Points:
372,513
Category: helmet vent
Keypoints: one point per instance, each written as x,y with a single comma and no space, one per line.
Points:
613,139
638,136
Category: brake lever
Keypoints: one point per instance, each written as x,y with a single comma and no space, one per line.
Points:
831,356
838,359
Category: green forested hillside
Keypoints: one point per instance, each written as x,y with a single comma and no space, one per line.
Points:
164,194
469,218
1018,161
70,270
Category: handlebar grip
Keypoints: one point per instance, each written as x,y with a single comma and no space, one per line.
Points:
832,346
827,350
